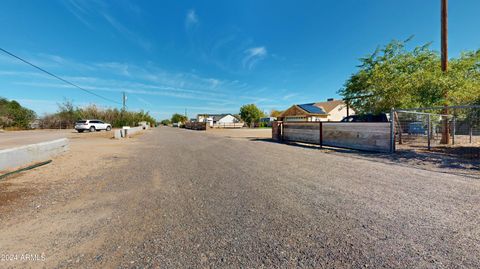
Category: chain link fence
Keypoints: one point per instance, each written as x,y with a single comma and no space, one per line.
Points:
455,133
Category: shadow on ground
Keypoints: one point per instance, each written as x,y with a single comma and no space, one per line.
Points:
436,160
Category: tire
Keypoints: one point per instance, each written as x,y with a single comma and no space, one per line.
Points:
80,131
109,128
92,129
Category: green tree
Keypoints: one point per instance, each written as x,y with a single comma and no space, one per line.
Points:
68,113
178,118
165,122
251,114
12,114
395,76
275,113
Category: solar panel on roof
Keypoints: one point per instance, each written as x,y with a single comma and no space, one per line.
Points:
310,108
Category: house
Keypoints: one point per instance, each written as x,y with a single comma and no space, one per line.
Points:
220,120
267,121
331,110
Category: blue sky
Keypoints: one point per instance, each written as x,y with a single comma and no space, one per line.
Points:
208,56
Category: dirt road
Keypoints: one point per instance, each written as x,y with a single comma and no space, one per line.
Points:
176,198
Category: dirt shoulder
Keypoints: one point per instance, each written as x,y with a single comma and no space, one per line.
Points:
10,139
40,209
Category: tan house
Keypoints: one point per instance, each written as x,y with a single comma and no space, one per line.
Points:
331,110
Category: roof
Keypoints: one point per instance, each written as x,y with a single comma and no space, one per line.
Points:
320,109
330,105
312,108
217,117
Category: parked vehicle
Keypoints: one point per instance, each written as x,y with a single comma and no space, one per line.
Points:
382,117
92,125
416,128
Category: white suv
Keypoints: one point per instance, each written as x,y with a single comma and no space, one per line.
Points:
92,125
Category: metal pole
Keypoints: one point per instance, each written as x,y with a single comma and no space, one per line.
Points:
471,132
429,131
392,131
454,130
281,130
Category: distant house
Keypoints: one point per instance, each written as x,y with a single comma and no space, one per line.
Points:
267,120
331,110
220,120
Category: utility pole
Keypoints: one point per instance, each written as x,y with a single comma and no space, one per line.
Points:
444,35
444,49
186,113
124,101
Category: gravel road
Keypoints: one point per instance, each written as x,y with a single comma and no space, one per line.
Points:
177,198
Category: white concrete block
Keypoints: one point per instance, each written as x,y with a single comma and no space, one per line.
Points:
117,134
24,155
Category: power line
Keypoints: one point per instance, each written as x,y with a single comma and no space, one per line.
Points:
59,78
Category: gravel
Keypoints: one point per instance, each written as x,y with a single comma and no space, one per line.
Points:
177,198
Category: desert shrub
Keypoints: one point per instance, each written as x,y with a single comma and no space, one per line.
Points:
13,115
68,114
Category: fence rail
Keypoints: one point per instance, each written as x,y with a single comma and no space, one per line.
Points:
199,126
369,136
228,125
456,133
426,130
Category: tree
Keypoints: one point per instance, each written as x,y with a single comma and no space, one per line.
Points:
395,77
12,114
165,122
178,118
275,113
251,114
68,113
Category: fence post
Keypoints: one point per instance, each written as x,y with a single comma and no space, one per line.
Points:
454,129
392,130
320,135
429,127
471,131
281,131
399,129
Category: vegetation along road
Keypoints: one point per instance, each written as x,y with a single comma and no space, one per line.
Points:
175,198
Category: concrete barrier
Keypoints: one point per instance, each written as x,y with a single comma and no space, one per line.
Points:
24,155
127,131
117,134
133,130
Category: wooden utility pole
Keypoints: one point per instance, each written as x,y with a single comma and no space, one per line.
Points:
444,19
124,101
444,35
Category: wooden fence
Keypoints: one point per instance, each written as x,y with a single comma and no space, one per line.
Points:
200,126
369,136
